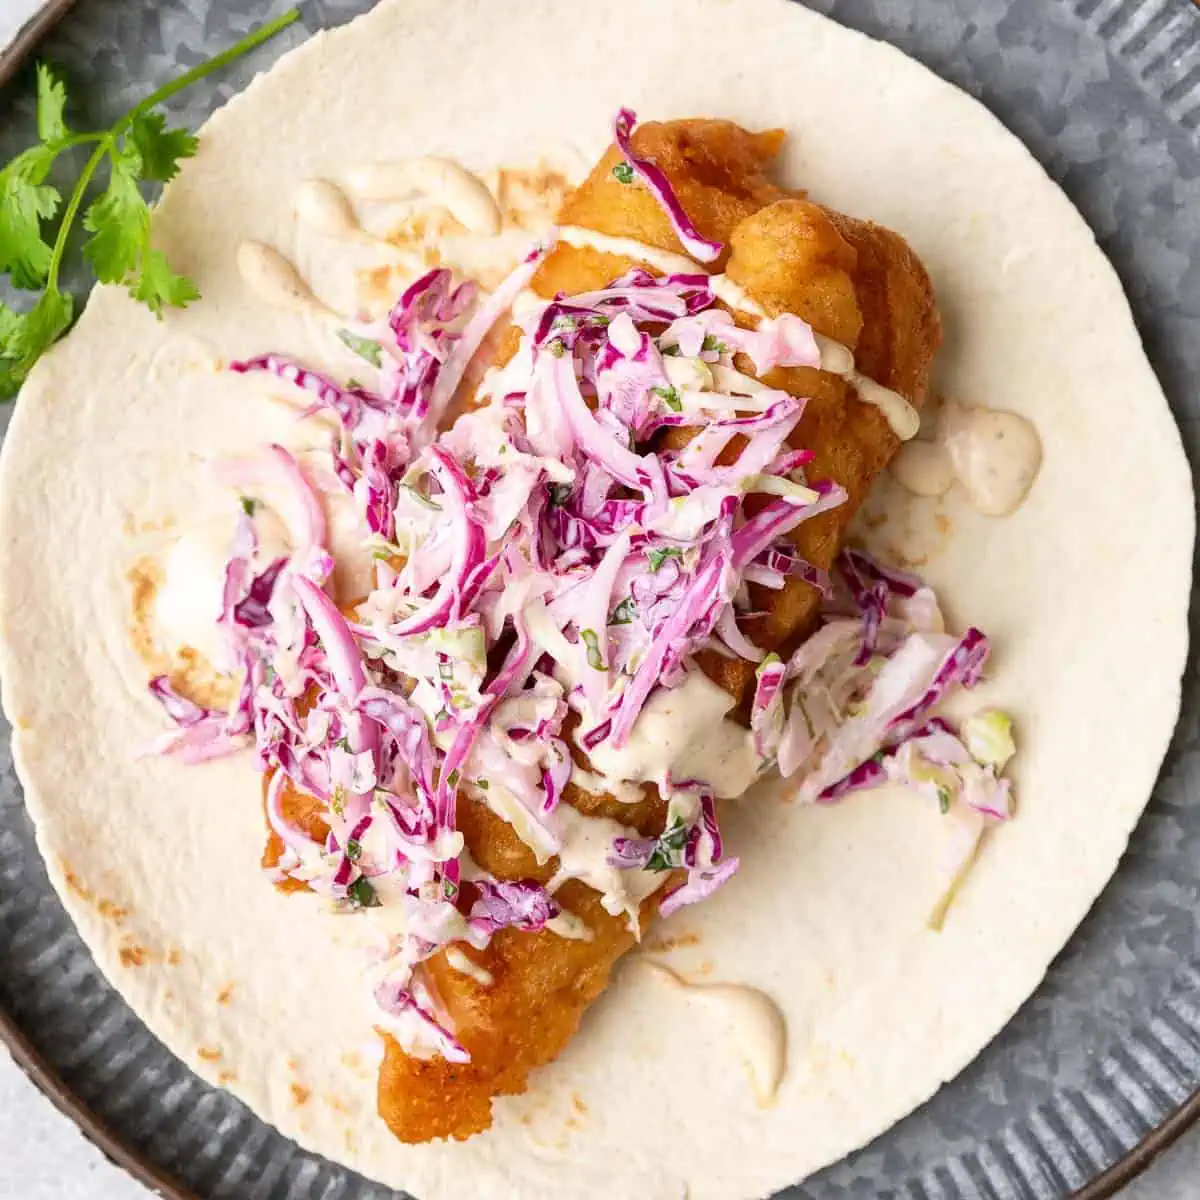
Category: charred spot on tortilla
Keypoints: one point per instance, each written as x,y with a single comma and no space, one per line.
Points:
108,909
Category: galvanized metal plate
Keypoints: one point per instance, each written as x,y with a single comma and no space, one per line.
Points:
1096,1071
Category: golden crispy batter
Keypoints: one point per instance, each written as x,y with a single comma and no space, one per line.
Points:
860,285
852,281
541,986
303,812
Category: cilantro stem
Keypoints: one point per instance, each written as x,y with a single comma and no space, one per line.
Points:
250,42
77,139
106,142
72,210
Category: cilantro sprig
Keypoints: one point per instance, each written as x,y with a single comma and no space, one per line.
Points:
138,149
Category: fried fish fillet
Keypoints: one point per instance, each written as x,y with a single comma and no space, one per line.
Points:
852,281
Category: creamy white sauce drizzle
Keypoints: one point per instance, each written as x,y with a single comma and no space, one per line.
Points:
586,844
568,925
273,278
187,605
410,1031
600,785
692,374
662,260
734,296
526,303
583,846
924,468
469,869
899,414
750,1015
460,962
326,209
683,731
835,358
508,808
994,455
726,379
443,180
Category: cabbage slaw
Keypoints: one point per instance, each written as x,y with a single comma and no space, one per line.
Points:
544,564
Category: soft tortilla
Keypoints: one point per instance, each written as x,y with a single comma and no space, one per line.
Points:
1084,592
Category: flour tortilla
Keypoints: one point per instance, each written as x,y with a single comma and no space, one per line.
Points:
1084,592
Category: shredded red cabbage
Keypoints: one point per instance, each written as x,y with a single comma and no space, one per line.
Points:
522,905
700,248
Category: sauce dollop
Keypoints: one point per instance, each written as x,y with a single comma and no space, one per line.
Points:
994,455
460,191
750,1015
273,278
683,731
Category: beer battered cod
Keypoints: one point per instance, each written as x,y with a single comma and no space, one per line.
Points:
852,281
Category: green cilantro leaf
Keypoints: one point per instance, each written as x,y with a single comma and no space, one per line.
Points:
51,101
249,504
159,148
40,327
138,147
25,337
624,613
362,895
157,286
11,375
11,378
10,321
353,850
25,201
668,850
623,172
119,221
656,558
670,397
